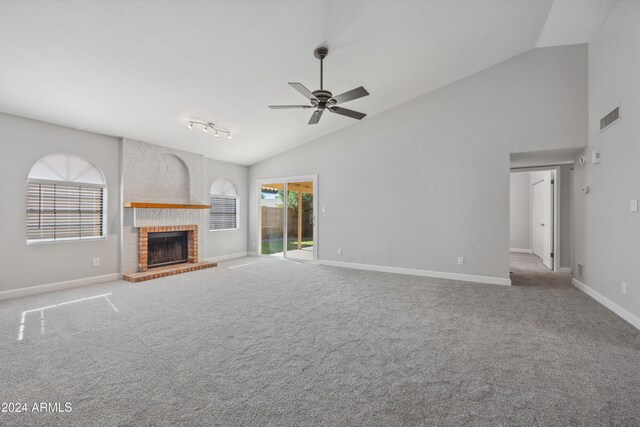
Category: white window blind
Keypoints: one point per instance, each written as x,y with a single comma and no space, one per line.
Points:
224,213
64,211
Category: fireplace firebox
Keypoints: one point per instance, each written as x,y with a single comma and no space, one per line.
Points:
167,245
167,248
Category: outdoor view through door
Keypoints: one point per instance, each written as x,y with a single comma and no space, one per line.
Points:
286,214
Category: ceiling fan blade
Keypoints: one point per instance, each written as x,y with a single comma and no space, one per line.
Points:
303,90
278,107
349,113
315,117
356,93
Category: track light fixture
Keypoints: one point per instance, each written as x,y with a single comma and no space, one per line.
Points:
207,126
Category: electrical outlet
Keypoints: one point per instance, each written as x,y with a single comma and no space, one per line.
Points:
324,209
623,288
460,260
96,262
633,206
339,251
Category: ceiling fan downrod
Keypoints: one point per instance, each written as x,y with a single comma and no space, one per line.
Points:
321,53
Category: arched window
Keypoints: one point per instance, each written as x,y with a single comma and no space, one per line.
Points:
224,205
66,199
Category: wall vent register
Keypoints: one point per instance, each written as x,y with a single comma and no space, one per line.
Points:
610,119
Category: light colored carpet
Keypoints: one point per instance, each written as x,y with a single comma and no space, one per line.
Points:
258,341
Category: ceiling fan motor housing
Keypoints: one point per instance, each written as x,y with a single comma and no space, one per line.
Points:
323,97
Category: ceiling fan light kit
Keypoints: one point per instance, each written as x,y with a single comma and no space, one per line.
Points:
322,99
207,126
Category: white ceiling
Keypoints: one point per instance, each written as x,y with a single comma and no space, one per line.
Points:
142,69
573,21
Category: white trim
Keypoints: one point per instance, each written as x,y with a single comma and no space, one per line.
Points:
521,251
40,289
566,270
626,315
226,257
415,272
540,167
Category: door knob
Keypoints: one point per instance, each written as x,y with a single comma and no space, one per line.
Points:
542,225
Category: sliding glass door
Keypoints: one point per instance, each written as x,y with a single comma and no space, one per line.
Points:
287,218
272,218
300,218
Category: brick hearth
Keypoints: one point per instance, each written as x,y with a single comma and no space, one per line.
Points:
145,273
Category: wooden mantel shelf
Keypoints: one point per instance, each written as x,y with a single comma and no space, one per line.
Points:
148,205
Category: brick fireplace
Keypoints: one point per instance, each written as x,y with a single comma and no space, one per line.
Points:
146,268
143,243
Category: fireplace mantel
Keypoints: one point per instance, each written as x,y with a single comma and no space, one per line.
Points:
149,205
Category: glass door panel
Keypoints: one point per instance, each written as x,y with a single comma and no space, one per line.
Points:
299,221
272,219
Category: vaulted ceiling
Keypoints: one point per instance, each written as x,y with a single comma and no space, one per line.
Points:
142,69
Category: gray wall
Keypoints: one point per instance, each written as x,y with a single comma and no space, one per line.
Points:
22,143
444,157
606,232
520,211
227,242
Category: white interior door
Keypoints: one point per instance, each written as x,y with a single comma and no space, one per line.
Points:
542,214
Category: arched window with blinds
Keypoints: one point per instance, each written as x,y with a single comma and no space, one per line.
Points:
66,199
224,205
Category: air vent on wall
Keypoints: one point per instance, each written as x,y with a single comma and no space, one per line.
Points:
580,270
610,119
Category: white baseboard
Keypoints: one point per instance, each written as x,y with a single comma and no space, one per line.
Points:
415,272
40,289
564,270
629,317
226,257
521,251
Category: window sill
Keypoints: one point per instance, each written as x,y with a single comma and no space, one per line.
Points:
47,242
225,229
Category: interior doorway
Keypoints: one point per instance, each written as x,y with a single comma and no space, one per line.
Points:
287,218
534,219
542,226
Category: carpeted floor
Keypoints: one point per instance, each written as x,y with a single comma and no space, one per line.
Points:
258,341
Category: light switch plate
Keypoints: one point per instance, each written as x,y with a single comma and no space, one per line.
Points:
633,206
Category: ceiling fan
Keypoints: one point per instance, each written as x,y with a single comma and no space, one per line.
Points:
322,99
